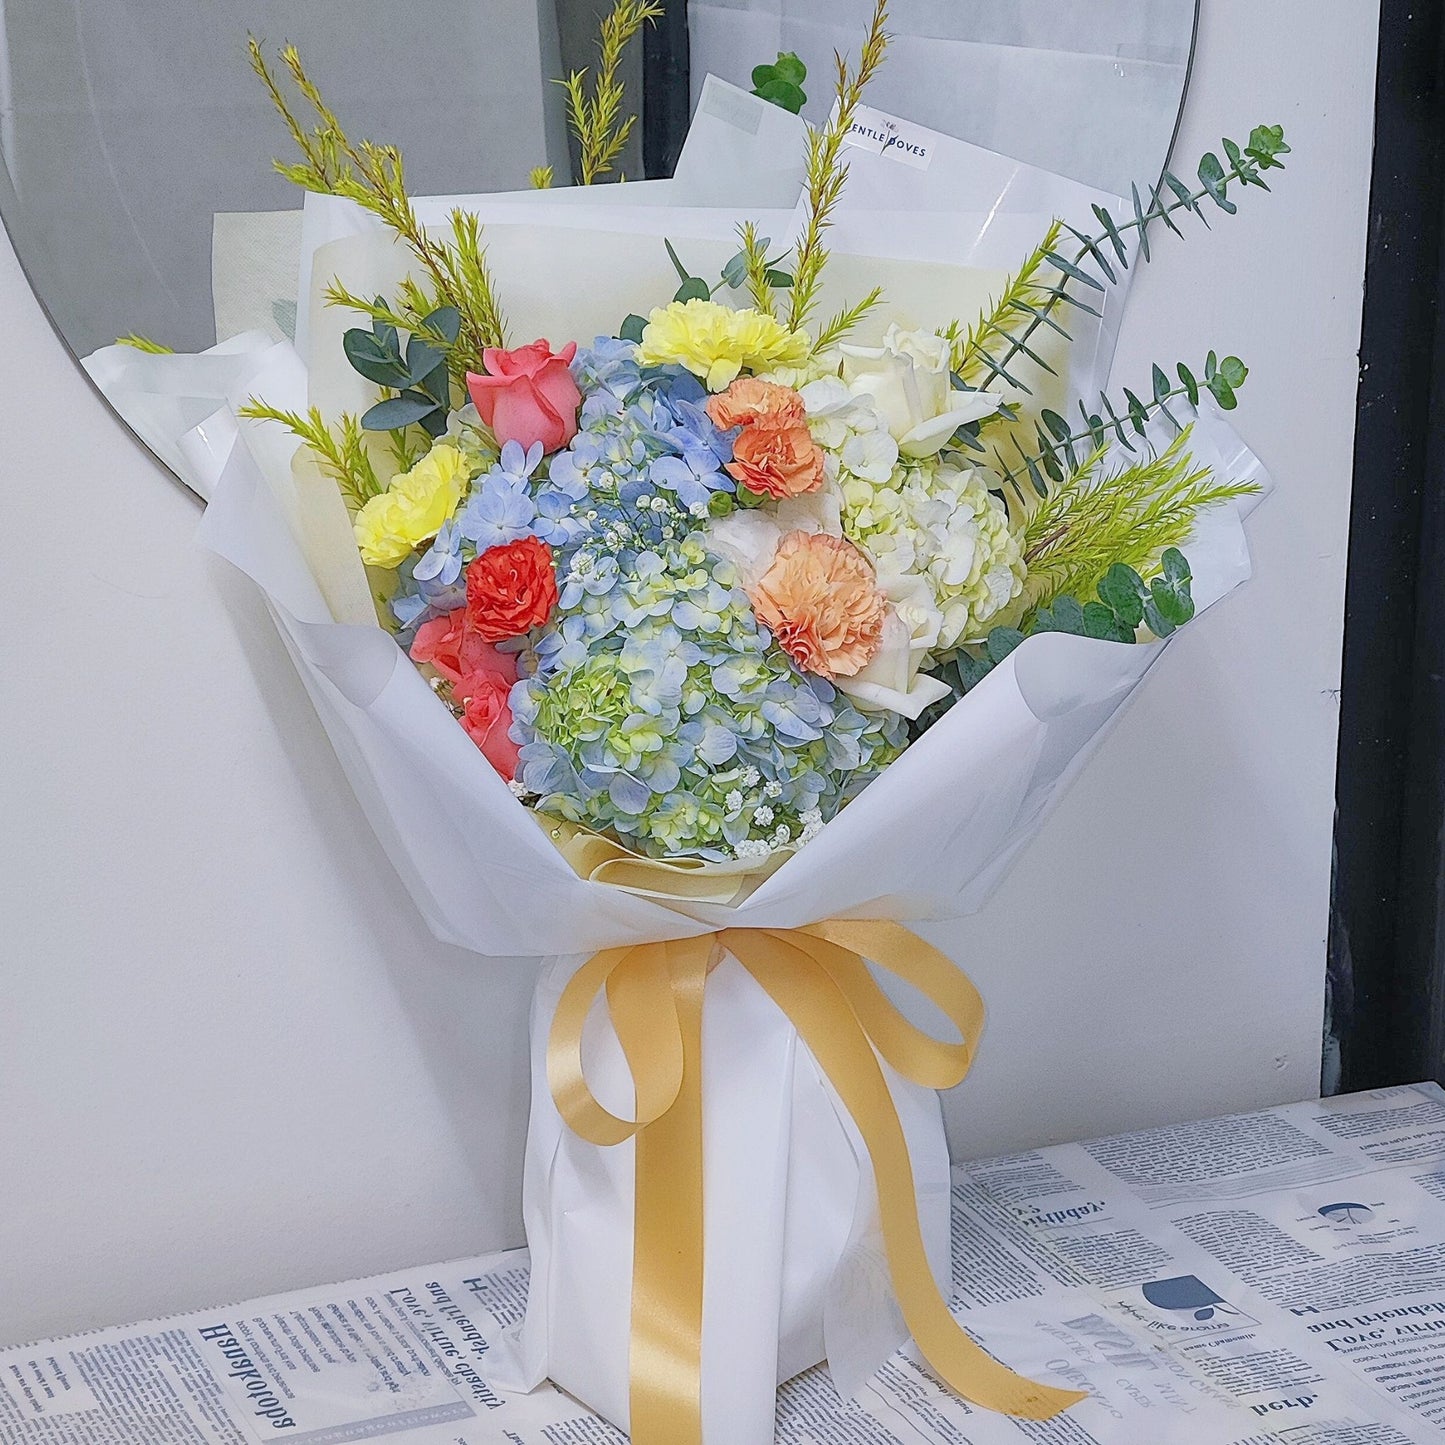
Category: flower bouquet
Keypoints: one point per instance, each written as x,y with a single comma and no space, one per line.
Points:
699,656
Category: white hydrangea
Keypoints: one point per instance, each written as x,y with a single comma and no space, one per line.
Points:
930,524
938,522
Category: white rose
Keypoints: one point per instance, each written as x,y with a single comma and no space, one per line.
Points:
908,379
748,537
892,681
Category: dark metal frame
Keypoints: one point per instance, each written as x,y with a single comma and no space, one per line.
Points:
667,82
1387,943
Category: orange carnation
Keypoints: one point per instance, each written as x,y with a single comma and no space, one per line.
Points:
777,461
820,601
750,402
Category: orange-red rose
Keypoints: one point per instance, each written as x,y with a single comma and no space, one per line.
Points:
511,589
528,395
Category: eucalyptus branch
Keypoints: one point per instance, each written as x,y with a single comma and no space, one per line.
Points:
1058,444
827,171
998,347
596,119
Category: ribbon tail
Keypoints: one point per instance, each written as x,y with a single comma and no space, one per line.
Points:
667,1263
800,985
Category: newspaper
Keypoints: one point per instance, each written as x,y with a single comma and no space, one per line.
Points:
1271,1277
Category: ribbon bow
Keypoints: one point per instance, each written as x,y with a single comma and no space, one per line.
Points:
818,977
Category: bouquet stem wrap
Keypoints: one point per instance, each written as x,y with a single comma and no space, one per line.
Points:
818,977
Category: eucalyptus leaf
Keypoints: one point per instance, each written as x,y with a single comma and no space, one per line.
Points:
421,360
399,411
1100,623
1176,566
1122,592
1156,621
735,273
437,384
1191,386
1002,641
783,94
372,360
789,67
445,321
683,273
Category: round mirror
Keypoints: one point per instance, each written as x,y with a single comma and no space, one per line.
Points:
138,184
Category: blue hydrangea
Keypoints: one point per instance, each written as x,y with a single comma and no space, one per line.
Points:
431,584
500,508
658,709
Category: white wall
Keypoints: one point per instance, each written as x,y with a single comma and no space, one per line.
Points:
231,1060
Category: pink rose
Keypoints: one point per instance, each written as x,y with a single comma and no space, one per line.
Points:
487,717
481,679
528,395
456,649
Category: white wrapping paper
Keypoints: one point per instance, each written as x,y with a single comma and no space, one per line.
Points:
792,1246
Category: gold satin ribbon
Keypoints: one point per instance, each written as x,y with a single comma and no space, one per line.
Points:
819,978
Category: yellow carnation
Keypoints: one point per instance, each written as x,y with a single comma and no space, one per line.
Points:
413,508
715,342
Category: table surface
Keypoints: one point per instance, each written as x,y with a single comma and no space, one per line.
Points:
1268,1277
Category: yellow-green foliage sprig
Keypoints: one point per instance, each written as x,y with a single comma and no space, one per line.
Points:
596,118
373,176
827,171
143,343
341,451
755,260
1096,518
